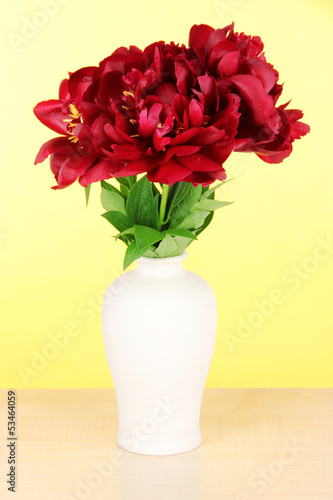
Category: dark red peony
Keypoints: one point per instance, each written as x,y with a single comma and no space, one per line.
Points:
174,112
239,66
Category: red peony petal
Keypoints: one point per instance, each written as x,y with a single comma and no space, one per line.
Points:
255,46
218,152
64,94
159,141
137,167
100,130
183,137
169,173
90,112
195,113
58,144
114,63
206,178
125,152
219,51
73,167
208,135
111,87
299,129
83,133
79,82
183,76
228,65
102,170
115,135
244,145
198,163
149,120
50,114
198,37
264,72
208,87
228,118
56,162
182,150
276,156
166,92
259,103
214,39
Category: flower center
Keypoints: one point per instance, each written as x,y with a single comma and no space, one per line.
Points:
74,114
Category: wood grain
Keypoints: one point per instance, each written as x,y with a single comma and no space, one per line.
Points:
268,444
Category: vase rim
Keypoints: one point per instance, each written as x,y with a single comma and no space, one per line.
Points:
177,258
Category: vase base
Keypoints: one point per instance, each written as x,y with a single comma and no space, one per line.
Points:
160,448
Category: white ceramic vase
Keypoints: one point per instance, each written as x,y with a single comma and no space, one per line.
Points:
159,327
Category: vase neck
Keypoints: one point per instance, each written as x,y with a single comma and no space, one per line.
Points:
161,267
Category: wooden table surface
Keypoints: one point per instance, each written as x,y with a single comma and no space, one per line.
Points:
265,444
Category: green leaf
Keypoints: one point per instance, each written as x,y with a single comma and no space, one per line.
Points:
193,220
210,205
108,187
183,208
181,190
127,182
132,253
185,233
139,195
112,201
206,223
167,248
149,214
146,236
129,231
150,254
118,220
124,190
155,190
87,193
177,193
207,193
182,243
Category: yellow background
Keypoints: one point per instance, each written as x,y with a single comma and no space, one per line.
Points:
58,258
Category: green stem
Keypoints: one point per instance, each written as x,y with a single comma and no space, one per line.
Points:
165,191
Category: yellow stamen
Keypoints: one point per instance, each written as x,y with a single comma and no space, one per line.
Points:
73,139
132,120
74,112
129,92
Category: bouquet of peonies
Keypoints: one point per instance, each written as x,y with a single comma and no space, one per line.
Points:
175,114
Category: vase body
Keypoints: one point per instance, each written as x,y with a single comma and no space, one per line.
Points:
159,327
